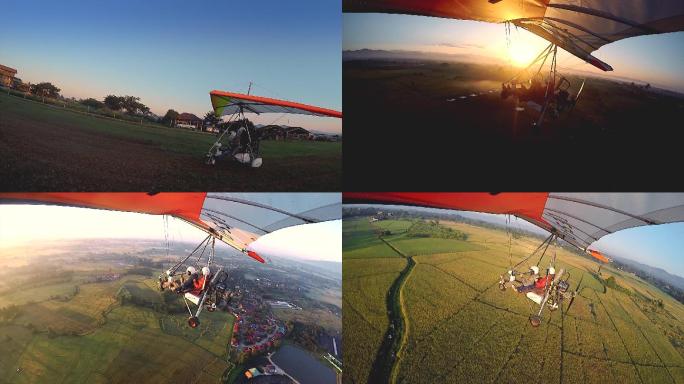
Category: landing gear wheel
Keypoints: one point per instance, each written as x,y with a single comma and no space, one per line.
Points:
535,320
502,286
211,160
193,322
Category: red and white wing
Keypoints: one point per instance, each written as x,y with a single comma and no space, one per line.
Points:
578,218
237,219
579,27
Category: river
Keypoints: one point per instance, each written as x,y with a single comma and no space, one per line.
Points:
304,367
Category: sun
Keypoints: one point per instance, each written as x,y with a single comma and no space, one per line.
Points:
521,54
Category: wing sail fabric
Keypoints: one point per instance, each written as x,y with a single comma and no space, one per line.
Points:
237,219
578,218
228,103
579,27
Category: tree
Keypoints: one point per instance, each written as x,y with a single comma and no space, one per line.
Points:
211,119
92,103
170,116
45,89
132,106
115,103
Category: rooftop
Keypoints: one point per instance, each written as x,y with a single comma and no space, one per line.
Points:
7,69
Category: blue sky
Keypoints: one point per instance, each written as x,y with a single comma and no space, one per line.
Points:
172,53
658,59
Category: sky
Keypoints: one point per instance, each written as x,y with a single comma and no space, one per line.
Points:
657,59
172,53
656,245
26,224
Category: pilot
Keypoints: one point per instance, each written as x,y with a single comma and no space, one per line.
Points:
539,283
201,281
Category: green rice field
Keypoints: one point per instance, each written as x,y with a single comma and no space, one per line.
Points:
460,328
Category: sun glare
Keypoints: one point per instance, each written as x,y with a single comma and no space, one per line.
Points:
522,54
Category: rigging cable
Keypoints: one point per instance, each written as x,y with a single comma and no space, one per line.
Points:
173,269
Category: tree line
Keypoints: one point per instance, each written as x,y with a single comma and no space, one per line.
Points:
125,104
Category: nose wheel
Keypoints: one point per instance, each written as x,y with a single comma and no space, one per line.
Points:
535,320
193,322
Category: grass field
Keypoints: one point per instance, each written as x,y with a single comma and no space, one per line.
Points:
461,328
48,148
93,338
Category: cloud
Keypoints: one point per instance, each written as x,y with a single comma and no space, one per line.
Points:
452,45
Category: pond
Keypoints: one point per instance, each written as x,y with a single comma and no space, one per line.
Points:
303,366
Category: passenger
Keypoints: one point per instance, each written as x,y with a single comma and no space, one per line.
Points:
535,92
169,282
189,284
540,283
533,274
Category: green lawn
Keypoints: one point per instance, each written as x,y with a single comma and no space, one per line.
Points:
166,138
51,148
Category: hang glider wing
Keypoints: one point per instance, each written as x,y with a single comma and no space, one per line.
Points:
578,27
578,218
228,103
237,219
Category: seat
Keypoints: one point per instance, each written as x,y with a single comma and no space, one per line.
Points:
193,297
534,297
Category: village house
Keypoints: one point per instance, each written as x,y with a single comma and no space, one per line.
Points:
7,75
189,121
283,132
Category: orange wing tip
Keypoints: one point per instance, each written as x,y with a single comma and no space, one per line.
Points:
598,255
255,256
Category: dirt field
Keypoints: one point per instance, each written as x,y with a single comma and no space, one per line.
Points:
44,148
438,114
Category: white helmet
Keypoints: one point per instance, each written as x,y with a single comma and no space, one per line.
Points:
191,270
552,271
206,271
534,269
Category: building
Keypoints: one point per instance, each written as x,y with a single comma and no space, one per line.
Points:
188,120
7,76
283,132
